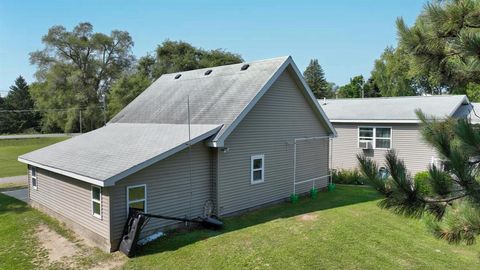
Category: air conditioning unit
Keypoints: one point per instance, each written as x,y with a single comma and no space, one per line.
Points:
365,145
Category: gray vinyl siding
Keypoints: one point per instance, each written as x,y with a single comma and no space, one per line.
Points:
70,198
406,140
270,128
168,188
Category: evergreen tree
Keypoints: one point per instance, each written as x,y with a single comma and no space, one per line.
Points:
444,44
19,101
450,199
315,78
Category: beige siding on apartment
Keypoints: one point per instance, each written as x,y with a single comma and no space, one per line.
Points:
71,199
270,128
406,140
168,189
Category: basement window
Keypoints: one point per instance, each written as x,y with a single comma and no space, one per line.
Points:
257,166
97,201
34,177
137,198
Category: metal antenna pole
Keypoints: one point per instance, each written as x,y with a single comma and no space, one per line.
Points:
80,120
189,157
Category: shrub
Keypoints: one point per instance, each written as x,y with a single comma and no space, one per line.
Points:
349,177
422,181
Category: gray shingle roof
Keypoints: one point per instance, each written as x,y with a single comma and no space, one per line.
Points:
391,109
155,123
218,98
107,154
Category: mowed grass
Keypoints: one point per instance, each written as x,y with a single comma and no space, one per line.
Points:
19,245
12,148
344,229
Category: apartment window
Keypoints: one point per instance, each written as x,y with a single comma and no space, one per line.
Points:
97,201
257,172
34,178
375,137
137,197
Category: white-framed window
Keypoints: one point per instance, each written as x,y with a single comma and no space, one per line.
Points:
257,169
375,137
97,201
137,197
34,177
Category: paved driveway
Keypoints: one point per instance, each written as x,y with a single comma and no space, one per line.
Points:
21,179
20,194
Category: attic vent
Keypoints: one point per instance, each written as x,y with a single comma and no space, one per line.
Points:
244,67
178,76
208,72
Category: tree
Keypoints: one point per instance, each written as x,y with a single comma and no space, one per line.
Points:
130,85
175,56
354,89
171,56
391,73
19,102
451,201
315,78
74,70
444,44
473,92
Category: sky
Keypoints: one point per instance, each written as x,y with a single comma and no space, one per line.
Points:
346,36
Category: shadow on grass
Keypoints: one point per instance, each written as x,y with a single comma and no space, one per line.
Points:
12,205
342,196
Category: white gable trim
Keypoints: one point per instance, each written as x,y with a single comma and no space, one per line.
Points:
219,142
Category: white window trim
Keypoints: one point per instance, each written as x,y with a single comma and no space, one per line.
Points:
252,158
141,200
374,142
97,201
34,177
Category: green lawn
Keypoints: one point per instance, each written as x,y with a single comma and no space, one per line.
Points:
343,229
19,247
11,149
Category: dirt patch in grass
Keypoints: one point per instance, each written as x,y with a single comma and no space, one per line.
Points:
58,247
307,217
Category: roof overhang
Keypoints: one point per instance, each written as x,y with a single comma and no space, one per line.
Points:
112,180
220,141
386,121
63,172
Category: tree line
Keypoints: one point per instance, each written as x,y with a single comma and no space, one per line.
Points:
84,77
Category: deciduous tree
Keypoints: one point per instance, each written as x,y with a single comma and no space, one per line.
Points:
74,70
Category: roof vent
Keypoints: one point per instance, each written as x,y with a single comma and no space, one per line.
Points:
178,76
208,72
245,67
